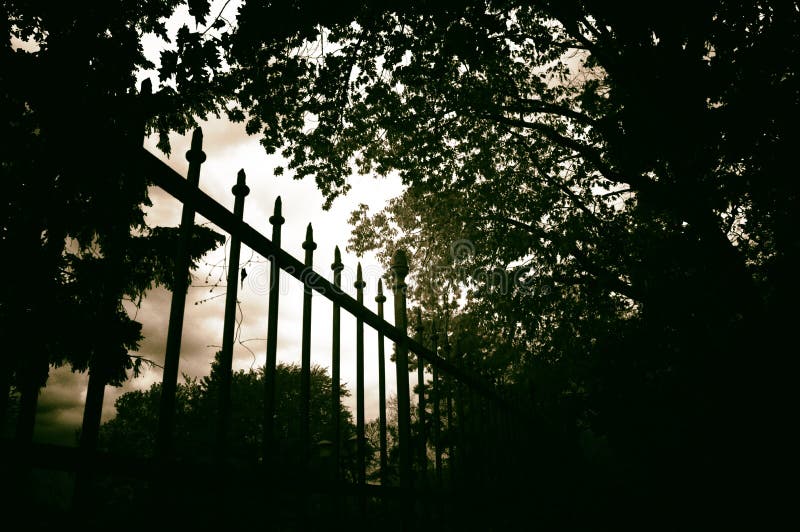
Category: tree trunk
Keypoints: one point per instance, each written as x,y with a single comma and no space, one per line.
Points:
90,430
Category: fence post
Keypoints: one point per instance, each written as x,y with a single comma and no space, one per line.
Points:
272,339
399,271
362,448
381,299
305,368
336,390
494,439
180,282
459,416
437,444
449,414
473,440
421,435
240,190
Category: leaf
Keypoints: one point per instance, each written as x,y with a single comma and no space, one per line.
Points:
199,10
169,64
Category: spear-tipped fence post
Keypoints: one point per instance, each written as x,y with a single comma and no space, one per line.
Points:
497,443
446,347
461,445
399,271
361,441
422,433
180,283
336,390
381,299
268,442
435,389
477,438
305,367
240,190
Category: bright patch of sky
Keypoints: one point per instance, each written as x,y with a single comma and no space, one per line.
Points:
228,149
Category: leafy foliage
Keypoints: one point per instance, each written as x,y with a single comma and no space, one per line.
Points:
74,196
132,431
601,201
611,191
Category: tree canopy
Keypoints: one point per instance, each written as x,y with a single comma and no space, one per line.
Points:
73,224
132,431
612,190
131,434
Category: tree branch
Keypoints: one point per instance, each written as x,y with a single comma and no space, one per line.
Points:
588,153
534,105
611,281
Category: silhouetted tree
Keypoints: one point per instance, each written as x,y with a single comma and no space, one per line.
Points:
73,228
200,480
612,189
132,430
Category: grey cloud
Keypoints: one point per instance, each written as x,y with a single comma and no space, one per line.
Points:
228,149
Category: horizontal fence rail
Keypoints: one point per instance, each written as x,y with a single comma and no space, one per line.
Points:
173,183
482,445
477,442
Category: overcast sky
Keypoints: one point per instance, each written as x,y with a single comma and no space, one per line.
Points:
228,148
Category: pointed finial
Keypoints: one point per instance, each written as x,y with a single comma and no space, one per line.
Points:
400,263
456,341
196,153
309,243
197,138
141,111
380,298
146,88
359,284
337,265
240,189
446,343
276,218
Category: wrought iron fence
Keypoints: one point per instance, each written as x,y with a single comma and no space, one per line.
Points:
458,455
476,418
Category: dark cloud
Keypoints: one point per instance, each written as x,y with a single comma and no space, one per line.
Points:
60,407
228,149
